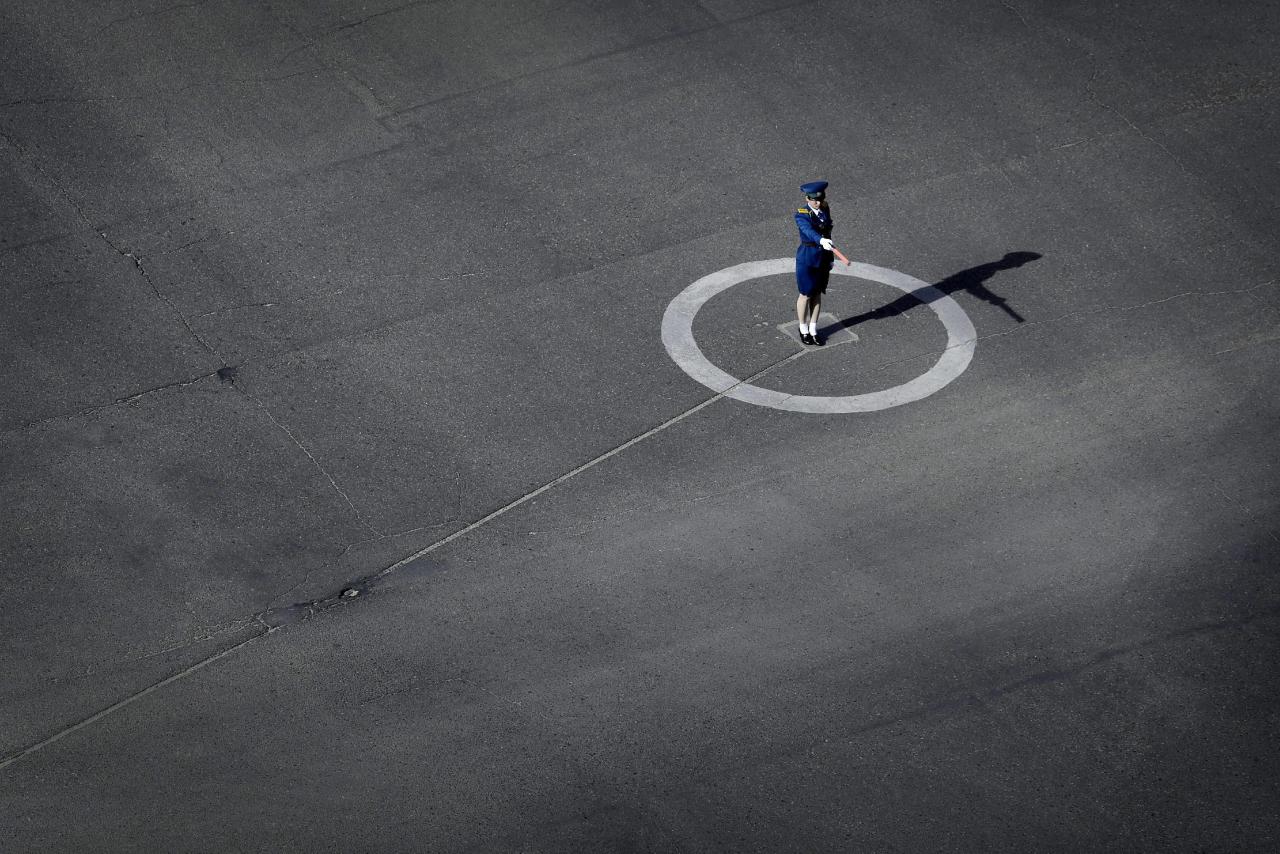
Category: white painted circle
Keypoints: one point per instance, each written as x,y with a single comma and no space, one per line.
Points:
677,337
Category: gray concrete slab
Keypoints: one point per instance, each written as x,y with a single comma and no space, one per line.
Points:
351,501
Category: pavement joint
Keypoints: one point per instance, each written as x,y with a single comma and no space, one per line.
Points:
131,699
273,619
208,633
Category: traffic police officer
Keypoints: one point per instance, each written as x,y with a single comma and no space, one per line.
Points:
813,258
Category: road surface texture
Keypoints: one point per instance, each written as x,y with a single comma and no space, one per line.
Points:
352,502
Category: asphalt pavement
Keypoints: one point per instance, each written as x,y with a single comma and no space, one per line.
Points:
351,501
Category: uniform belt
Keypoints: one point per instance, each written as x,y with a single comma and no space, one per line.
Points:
806,243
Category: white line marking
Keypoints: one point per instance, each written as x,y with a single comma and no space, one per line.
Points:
677,337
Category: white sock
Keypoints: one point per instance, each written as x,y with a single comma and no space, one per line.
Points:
811,328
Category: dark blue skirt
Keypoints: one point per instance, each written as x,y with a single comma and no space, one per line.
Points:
811,281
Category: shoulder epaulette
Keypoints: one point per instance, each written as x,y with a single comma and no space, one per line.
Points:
802,210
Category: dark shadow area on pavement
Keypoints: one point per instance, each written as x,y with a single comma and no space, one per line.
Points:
972,281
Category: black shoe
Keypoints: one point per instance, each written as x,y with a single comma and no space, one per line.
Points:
817,342
806,338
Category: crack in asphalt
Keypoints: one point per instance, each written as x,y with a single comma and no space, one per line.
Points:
1111,134
315,462
242,306
1139,131
311,572
1238,503
1256,343
136,259
102,407
209,633
199,240
1016,12
1092,95
156,13
150,391
146,276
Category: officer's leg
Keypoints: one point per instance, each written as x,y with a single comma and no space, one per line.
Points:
815,298
814,309
802,306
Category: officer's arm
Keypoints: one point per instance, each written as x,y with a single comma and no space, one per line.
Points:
807,232
826,241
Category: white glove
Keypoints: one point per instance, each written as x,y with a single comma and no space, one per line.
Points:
827,244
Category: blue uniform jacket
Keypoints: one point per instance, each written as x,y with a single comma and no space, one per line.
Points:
813,227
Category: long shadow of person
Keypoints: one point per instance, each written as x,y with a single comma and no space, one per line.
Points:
972,280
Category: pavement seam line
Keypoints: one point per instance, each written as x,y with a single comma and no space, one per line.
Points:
339,598
129,700
529,496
